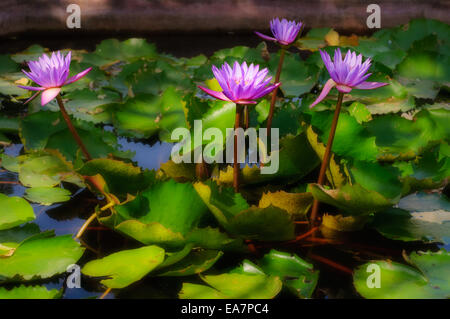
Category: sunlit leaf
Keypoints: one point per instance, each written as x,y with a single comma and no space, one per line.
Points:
29,292
126,266
15,211
427,280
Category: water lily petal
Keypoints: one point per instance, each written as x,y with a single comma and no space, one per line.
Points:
49,95
343,88
326,89
78,76
370,85
217,95
265,37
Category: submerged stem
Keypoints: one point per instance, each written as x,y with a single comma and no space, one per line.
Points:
237,124
72,128
326,158
107,291
246,117
275,91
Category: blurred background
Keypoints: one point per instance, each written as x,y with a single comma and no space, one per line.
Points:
188,27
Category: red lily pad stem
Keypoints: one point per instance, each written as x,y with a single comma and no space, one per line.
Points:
274,93
314,218
237,124
72,128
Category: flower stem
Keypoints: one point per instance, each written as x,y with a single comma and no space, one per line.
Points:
237,124
246,117
275,91
201,170
72,128
326,159
85,225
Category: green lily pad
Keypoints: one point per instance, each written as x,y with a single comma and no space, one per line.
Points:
264,224
47,195
15,211
420,216
237,217
40,256
125,267
352,199
194,263
91,106
29,292
297,77
46,170
383,179
297,275
427,279
296,159
19,233
48,130
174,223
297,204
134,48
146,115
360,112
122,178
174,205
234,286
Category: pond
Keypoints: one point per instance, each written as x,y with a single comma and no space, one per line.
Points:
191,229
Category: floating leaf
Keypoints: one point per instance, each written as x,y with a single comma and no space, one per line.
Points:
353,199
360,112
15,211
343,223
265,224
297,275
146,115
125,267
41,256
234,286
29,292
297,204
297,77
196,262
46,170
134,48
296,159
48,130
122,178
47,195
429,280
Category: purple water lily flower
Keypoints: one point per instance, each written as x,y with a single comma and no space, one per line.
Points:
50,74
346,74
285,32
241,84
